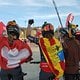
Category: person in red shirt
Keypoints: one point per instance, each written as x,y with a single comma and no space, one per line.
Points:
13,52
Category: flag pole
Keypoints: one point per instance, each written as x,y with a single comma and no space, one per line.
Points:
57,13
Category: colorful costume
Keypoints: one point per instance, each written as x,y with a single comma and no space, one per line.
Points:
52,57
71,47
13,52
13,55
51,49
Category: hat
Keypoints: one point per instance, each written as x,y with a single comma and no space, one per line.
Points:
47,27
12,27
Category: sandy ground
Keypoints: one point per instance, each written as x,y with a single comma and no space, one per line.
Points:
32,70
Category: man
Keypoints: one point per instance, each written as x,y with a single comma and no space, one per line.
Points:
77,36
13,52
71,47
49,48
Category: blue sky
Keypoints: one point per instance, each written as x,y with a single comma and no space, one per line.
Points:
39,10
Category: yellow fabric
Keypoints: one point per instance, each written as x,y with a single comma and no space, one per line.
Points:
52,52
61,72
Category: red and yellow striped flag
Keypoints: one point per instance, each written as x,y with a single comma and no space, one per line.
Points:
50,49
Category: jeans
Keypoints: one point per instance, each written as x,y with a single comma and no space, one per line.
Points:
11,74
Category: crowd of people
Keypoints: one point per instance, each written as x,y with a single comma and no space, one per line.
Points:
60,57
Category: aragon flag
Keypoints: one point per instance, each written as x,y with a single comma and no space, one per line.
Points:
53,53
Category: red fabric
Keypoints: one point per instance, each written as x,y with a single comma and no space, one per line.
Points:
17,44
44,66
62,63
56,79
52,41
2,27
21,45
3,61
43,47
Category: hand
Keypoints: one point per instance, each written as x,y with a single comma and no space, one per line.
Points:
30,21
29,59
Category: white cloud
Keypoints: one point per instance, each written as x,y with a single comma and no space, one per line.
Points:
27,9
42,17
50,16
76,14
38,3
66,2
24,2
